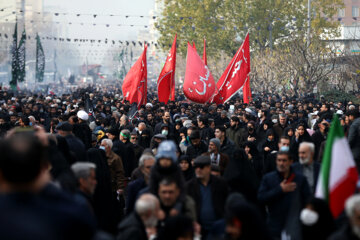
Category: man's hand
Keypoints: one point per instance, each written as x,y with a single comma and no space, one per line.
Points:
287,187
266,149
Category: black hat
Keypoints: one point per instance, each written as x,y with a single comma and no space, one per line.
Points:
195,135
201,161
64,126
113,131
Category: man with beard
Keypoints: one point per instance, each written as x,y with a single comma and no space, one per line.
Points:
281,125
197,147
277,191
165,120
138,150
142,221
235,133
206,133
217,158
227,146
354,134
351,230
306,165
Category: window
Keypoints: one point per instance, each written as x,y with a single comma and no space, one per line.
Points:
341,13
355,11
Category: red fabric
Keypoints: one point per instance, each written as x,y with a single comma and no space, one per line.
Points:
204,53
194,46
166,81
235,74
199,85
247,91
134,87
342,191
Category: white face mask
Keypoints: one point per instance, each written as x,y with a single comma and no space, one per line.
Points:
259,114
102,148
164,132
309,217
274,121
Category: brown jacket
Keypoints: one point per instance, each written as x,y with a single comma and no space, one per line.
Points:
224,160
116,171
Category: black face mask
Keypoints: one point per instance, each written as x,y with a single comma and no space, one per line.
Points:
250,129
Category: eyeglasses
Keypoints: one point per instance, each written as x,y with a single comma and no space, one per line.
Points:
133,137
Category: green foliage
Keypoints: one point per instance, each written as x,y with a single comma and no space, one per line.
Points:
224,23
339,96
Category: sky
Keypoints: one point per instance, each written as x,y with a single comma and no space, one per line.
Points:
133,8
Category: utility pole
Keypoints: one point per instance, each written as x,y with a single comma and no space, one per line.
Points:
309,24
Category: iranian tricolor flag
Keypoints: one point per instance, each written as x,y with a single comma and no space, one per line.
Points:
338,175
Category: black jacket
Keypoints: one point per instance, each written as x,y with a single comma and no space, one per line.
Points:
132,228
194,151
219,192
206,134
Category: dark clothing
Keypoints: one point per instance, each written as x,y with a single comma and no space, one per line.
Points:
138,150
353,137
316,169
194,151
206,134
317,139
241,177
278,202
133,190
344,233
219,192
237,135
224,160
51,214
270,162
127,155
83,132
76,147
279,129
132,228
228,147
295,143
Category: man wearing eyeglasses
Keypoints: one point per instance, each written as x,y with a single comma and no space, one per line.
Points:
138,150
209,193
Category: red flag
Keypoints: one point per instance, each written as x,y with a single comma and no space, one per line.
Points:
235,74
166,81
247,91
204,53
199,85
134,87
194,46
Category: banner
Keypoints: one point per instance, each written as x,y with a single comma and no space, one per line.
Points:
40,60
235,74
134,87
199,85
166,81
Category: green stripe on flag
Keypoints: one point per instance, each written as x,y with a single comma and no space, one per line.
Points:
335,132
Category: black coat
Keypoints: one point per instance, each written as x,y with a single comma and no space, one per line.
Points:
206,134
132,228
219,192
195,151
279,203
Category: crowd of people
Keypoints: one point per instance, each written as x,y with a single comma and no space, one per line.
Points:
87,165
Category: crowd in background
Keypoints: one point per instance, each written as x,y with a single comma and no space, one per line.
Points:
87,165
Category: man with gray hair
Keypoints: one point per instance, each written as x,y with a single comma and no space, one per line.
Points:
306,165
86,177
142,222
115,166
351,230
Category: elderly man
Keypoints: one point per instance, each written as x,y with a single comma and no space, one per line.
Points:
277,192
140,179
217,158
306,165
142,221
85,174
351,230
115,166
